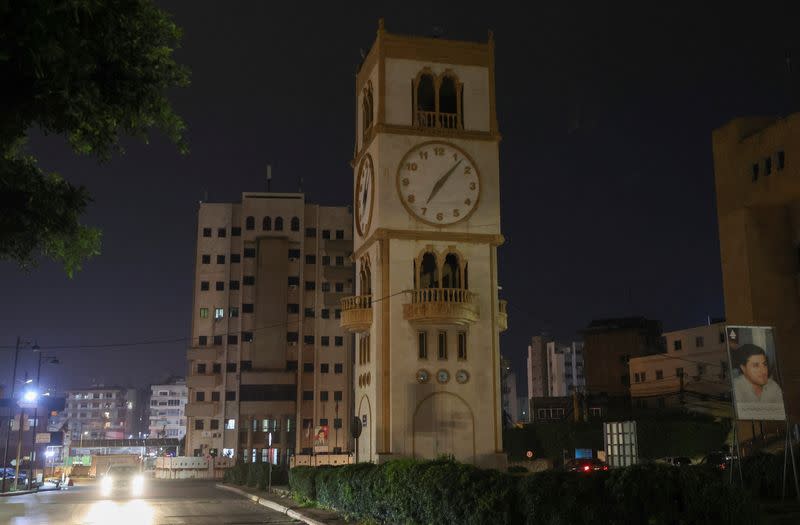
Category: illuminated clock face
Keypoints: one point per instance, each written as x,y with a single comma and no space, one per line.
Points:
462,376
365,195
443,376
438,183
423,376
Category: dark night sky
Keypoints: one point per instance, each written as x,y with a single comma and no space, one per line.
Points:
606,170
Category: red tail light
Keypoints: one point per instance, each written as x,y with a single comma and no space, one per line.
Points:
605,467
586,468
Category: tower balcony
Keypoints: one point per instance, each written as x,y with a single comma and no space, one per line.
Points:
442,306
356,313
502,315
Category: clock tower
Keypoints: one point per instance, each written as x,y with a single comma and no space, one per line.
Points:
426,313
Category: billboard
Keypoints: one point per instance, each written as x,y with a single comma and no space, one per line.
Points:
755,381
321,436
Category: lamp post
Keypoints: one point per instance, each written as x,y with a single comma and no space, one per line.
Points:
8,428
53,361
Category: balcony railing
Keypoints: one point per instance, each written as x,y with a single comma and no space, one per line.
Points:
432,119
502,315
442,305
356,313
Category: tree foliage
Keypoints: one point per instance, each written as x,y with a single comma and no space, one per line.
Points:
91,71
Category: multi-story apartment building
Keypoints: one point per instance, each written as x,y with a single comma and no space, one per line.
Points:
267,353
101,413
758,209
537,366
565,373
691,374
508,390
167,406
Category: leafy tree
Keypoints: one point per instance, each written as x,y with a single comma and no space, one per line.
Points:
91,71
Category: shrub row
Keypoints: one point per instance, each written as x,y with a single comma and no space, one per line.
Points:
256,475
444,491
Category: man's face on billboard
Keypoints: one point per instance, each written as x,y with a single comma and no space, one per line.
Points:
756,370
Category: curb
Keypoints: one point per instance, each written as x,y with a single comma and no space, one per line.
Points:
17,493
272,505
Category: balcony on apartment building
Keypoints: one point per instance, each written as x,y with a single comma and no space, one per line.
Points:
442,306
502,315
356,313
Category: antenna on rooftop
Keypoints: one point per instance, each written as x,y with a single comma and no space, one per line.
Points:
269,177
300,189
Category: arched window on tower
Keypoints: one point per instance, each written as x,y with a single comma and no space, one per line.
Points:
428,272
266,224
451,272
278,224
426,101
448,103
250,223
466,276
365,279
295,224
367,111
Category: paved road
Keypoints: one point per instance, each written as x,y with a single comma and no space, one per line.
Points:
163,503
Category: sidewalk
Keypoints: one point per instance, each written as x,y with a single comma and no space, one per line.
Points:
280,501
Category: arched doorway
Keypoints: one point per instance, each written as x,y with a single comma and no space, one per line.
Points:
365,439
444,425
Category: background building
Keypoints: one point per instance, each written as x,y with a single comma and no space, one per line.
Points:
166,415
608,346
267,352
508,389
758,209
538,384
691,374
101,413
565,372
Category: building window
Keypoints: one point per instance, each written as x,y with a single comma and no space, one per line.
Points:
233,339
214,424
324,368
636,377
220,259
293,280
325,313
337,395
698,341
677,345
219,313
324,340
442,345
308,339
291,366
206,232
339,287
339,260
643,376
311,259
337,422
234,311
217,340
249,253
338,368
202,340
311,232
236,258
722,337
338,340
204,286
659,374
215,396
308,395
204,313
755,172
295,224
216,368
199,424
291,337
326,234
337,313
266,224
326,287
293,308
222,232
236,231
340,234
294,254
230,367
308,312
250,223
701,369
247,308
767,165
311,285
249,280
200,396
326,260
205,259
230,424
278,224
781,160
220,285
422,345
247,337
323,395
462,345
233,285
230,395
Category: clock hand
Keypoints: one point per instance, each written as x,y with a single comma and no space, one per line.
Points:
364,197
442,180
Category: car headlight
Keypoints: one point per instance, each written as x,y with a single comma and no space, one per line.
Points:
106,484
138,484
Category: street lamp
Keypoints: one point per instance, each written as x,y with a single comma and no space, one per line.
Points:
53,361
20,342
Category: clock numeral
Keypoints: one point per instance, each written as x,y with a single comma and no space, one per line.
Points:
440,216
405,182
424,210
423,155
411,198
411,166
467,170
467,201
438,151
455,156
456,213
472,185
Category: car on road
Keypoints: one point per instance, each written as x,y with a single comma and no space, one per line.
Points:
122,480
718,460
585,466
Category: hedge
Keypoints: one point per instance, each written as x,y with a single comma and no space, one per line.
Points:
256,475
444,491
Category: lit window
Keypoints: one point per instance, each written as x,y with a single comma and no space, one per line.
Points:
230,424
219,313
204,313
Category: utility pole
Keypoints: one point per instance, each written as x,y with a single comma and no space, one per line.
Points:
10,416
